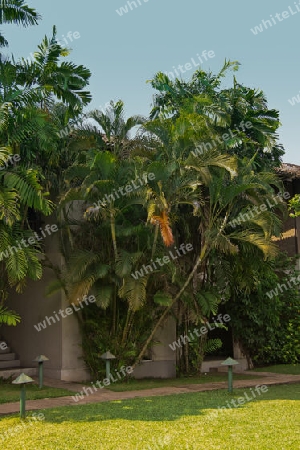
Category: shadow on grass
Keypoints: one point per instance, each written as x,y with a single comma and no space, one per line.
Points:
11,393
168,408
149,383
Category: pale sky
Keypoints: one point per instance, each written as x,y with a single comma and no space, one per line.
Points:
124,51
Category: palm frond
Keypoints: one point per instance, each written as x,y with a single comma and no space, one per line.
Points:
9,317
134,291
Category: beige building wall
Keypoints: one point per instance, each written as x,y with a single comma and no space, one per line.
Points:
163,362
72,365
60,340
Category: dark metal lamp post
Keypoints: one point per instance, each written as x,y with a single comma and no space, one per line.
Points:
22,380
40,359
229,362
107,357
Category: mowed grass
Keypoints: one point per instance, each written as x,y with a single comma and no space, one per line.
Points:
178,422
150,383
287,369
11,393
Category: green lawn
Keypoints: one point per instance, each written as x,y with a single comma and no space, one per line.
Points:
11,393
292,369
136,385
178,422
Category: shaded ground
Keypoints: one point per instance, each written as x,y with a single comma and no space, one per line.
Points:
96,395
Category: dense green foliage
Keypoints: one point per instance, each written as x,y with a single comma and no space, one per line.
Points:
266,315
29,146
193,197
131,193
294,206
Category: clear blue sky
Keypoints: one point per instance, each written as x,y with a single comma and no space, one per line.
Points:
123,52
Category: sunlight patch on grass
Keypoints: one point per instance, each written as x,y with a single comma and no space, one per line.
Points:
183,421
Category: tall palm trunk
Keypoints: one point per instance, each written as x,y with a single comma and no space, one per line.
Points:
204,253
113,234
186,347
168,309
156,230
114,241
127,326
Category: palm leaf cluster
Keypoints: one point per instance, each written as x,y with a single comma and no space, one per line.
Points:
30,121
114,246
17,12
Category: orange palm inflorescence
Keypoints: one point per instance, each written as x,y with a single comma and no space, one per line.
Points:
165,229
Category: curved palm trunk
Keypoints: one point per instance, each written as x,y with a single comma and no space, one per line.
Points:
168,309
156,230
114,241
113,234
203,254
186,347
128,322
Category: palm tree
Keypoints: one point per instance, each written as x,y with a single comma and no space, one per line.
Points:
246,105
64,81
225,111
31,121
19,116
16,11
20,188
115,129
223,185
194,197
203,91
191,199
19,191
